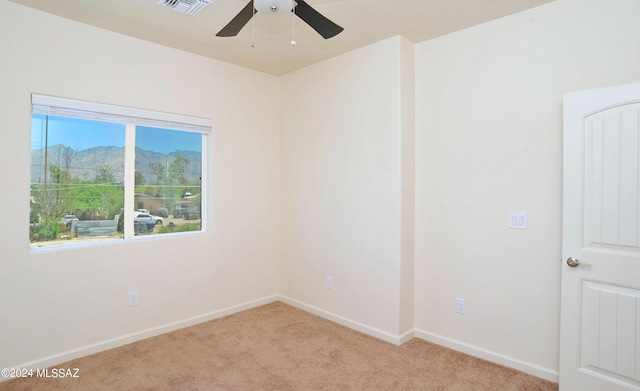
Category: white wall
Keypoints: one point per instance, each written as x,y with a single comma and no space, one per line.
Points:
489,140
343,123
63,303
329,150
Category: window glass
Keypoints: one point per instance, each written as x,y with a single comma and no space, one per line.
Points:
167,181
77,174
102,172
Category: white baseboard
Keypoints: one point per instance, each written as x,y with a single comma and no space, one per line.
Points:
352,324
527,367
97,347
523,366
495,357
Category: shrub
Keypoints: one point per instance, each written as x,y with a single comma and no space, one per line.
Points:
49,232
179,228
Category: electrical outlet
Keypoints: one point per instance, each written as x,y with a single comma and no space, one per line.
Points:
329,282
460,306
133,298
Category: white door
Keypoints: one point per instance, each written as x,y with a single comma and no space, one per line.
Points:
600,309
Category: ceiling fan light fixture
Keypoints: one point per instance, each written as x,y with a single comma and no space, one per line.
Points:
273,7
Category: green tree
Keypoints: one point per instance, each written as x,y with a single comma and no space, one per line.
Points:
158,170
67,155
45,205
59,175
140,179
178,169
104,174
52,197
170,179
99,199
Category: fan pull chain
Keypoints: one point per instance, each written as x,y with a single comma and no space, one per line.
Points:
253,29
293,24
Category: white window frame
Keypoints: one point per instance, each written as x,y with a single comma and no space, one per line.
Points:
130,117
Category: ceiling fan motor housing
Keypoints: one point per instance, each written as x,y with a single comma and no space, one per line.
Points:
273,7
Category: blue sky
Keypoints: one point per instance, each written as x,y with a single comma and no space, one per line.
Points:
81,134
165,140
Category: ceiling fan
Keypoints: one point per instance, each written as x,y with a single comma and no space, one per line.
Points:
304,11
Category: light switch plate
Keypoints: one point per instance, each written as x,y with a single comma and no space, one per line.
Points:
461,306
329,282
518,220
133,298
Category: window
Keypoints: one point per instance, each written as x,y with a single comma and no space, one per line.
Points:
101,172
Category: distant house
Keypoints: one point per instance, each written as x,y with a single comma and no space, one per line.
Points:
187,202
143,201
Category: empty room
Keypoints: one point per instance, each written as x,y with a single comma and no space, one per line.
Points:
453,183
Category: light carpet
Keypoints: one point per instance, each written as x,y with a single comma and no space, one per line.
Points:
280,347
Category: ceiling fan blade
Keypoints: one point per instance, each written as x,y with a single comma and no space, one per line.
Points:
238,22
313,18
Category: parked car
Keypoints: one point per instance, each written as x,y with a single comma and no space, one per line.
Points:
143,211
141,217
67,220
192,214
163,212
179,211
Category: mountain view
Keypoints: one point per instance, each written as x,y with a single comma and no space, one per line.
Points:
84,164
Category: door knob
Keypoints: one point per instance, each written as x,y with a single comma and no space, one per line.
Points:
574,262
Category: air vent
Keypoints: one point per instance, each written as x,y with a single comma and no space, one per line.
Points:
189,7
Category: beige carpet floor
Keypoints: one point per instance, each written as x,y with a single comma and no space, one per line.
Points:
279,347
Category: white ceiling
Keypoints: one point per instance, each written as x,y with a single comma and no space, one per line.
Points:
364,22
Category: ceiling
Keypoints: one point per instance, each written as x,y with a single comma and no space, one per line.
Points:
364,22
